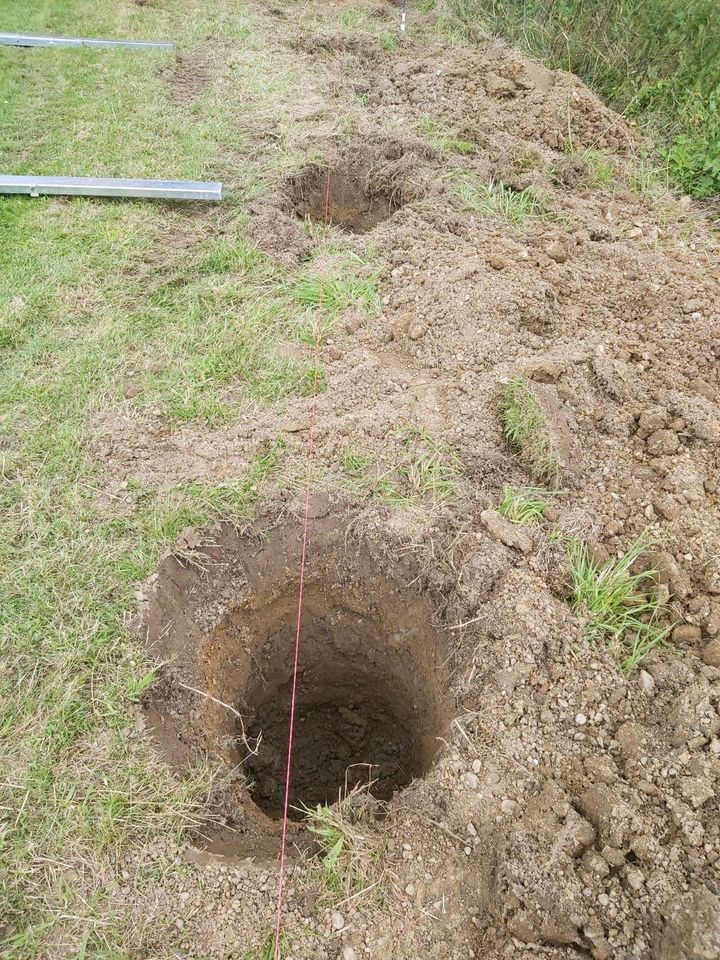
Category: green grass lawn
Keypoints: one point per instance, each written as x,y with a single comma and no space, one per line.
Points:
93,295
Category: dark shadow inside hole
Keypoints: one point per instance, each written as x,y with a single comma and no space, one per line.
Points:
365,713
343,736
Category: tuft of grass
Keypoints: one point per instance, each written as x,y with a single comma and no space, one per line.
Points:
525,430
430,470
265,950
649,178
599,169
434,473
524,504
355,462
621,608
527,158
349,859
499,201
334,294
353,18
443,138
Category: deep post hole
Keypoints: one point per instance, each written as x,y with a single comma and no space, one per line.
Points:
355,721
372,702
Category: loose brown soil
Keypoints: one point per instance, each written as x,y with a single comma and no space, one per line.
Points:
534,798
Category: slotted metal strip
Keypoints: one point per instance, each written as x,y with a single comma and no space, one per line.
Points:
28,40
111,187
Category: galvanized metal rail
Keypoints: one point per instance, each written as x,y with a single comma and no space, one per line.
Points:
28,40
111,187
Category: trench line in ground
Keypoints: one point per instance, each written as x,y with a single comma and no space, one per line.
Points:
309,462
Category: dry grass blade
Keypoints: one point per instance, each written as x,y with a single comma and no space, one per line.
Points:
525,504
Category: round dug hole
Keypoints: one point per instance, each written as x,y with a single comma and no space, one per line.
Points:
371,701
365,713
361,196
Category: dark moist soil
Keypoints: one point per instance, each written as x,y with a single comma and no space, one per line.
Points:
371,705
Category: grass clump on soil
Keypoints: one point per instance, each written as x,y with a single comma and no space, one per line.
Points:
349,859
355,462
498,201
430,471
265,950
443,138
334,294
599,171
620,607
434,471
525,430
654,60
524,504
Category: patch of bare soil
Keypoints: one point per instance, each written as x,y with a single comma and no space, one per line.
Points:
188,78
278,234
570,811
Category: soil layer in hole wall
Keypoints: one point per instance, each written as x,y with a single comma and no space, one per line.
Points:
362,716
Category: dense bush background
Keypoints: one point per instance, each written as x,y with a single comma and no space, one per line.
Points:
658,61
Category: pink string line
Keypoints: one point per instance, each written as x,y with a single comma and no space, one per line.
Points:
310,454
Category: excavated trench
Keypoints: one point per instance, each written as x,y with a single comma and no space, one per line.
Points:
371,696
